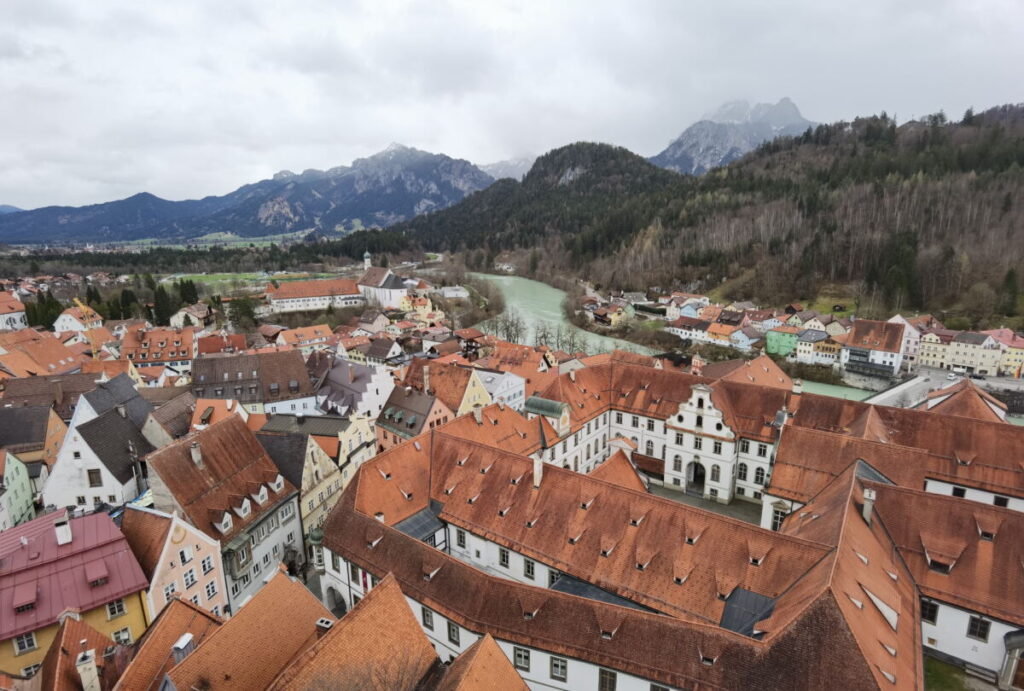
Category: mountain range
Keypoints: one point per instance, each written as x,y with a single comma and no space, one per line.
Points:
728,133
514,168
395,185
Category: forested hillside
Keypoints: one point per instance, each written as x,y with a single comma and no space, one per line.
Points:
922,213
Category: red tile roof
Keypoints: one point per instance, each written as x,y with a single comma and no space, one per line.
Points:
60,671
876,335
279,623
618,470
361,648
154,654
482,667
987,575
291,290
966,399
146,532
234,465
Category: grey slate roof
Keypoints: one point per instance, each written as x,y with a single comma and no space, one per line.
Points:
405,411
811,336
120,391
393,282
316,425
344,385
971,338
175,415
423,523
380,348
574,586
117,442
744,608
23,426
62,391
251,378
287,451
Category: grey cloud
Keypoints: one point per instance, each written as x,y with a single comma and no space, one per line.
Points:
107,98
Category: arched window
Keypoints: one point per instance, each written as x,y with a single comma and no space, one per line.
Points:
649,448
741,472
700,402
716,473
700,420
759,476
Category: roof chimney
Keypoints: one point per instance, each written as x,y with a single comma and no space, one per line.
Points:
62,527
478,416
538,470
122,410
323,625
572,375
798,387
426,378
88,672
182,647
197,454
869,504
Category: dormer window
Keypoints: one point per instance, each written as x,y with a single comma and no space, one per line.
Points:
607,552
225,523
939,566
756,561
261,496
691,539
278,483
987,536
244,509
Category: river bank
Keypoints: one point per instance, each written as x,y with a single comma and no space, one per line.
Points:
539,306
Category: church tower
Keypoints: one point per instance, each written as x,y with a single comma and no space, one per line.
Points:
366,259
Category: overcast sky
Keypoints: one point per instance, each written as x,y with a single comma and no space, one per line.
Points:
102,99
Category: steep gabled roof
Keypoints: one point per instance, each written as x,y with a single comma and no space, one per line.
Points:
447,382
966,399
59,671
482,667
862,578
279,622
618,470
362,648
118,443
120,391
146,532
233,465
154,653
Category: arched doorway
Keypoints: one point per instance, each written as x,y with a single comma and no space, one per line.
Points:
336,603
695,478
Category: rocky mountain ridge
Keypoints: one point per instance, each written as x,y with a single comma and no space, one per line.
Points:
729,132
393,185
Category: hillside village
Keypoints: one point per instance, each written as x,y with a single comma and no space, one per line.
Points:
870,352
508,515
